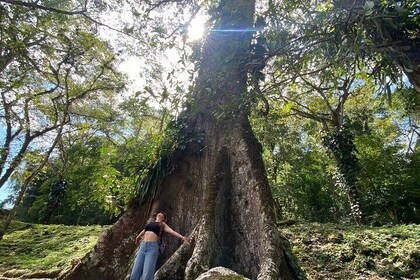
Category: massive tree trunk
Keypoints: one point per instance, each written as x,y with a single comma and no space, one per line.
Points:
217,192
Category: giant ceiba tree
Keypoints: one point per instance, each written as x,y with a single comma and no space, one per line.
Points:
215,189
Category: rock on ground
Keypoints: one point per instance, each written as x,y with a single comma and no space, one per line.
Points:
220,273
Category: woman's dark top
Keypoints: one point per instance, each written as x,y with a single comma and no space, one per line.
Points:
154,227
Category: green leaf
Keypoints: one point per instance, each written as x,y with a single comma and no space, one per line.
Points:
369,7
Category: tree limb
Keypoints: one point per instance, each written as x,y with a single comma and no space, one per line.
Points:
50,9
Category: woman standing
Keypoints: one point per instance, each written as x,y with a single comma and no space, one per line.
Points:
147,254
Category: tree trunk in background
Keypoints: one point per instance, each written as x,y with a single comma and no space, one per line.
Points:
218,192
340,142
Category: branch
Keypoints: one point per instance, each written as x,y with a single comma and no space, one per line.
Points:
261,94
283,49
297,75
17,160
108,26
316,118
33,5
8,138
343,98
79,12
318,89
95,80
160,3
311,114
27,140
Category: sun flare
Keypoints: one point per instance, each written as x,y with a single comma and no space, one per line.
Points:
196,28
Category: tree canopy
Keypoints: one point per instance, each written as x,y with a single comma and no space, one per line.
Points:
338,82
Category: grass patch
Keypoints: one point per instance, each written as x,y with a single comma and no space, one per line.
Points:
35,247
331,251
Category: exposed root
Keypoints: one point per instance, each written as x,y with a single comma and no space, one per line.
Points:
200,259
175,266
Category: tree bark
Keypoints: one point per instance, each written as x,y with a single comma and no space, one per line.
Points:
217,193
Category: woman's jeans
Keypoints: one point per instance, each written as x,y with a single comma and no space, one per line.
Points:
145,263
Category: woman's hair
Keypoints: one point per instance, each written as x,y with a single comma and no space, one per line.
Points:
154,217
162,223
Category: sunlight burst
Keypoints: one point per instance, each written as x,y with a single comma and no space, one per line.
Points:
196,28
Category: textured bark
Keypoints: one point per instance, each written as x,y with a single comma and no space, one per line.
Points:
217,193
230,205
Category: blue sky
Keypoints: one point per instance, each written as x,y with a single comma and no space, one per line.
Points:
5,190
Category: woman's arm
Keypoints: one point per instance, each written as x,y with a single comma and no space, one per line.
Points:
173,233
139,236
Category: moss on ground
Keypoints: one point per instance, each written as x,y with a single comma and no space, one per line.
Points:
34,247
331,251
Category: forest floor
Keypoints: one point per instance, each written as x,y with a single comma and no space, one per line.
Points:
332,251
34,251
324,251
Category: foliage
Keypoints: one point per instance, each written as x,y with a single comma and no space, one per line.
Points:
52,65
102,164
327,67
375,35
304,179
325,63
176,138
299,170
389,185
57,191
